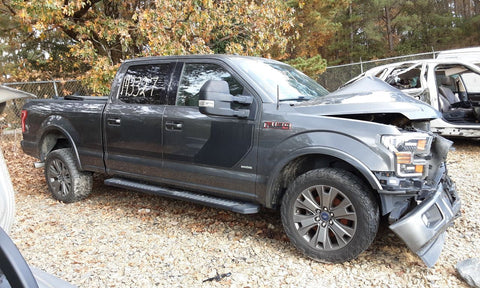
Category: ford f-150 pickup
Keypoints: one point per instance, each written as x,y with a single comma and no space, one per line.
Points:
241,133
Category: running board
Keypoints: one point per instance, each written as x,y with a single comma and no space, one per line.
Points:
207,200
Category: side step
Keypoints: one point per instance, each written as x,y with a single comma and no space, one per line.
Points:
227,204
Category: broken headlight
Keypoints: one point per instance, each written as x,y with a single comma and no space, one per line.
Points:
410,151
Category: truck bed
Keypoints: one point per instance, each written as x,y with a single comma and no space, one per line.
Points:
79,116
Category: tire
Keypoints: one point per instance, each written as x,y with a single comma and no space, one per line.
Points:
64,180
330,215
7,197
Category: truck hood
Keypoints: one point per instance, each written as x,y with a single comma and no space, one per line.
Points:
368,95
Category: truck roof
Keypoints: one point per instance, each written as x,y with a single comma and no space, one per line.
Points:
201,56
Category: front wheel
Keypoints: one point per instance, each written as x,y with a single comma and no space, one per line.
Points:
330,215
65,181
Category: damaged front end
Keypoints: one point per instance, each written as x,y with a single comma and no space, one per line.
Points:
419,197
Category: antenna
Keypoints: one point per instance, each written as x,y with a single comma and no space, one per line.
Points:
278,96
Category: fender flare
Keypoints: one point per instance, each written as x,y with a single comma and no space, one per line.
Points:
327,151
54,127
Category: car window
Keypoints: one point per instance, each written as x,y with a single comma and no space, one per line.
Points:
472,82
405,77
284,81
146,84
194,75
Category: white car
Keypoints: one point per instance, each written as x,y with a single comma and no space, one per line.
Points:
14,271
471,54
451,86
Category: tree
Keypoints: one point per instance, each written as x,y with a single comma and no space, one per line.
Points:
24,56
315,25
432,25
312,66
382,28
102,33
360,37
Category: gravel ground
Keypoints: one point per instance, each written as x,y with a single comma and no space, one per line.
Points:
119,238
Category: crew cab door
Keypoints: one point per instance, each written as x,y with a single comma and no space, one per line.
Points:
133,120
215,154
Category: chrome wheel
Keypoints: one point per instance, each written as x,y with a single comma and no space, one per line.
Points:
324,217
330,215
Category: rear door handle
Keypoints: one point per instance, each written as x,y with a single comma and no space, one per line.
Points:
174,125
114,121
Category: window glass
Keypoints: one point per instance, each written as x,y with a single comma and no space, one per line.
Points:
194,75
472,82
146,84
292,84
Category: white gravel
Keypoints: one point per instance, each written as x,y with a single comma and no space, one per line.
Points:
118,238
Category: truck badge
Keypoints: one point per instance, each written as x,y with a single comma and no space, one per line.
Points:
277,125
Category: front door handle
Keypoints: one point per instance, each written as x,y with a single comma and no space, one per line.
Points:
114,121
174,125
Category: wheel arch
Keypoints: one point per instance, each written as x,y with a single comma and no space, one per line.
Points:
56,137
303,161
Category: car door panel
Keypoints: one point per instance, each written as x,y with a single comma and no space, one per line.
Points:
133,121
212,153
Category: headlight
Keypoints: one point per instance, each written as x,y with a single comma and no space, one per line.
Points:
409,150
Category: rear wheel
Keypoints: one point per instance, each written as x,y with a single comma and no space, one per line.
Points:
65,181
330,215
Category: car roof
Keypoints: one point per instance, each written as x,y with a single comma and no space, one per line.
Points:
422,61
201,56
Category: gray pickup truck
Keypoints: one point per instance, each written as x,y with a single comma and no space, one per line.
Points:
241,133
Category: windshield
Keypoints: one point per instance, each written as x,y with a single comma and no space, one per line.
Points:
292,84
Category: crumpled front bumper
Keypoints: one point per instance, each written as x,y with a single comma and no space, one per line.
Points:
424,228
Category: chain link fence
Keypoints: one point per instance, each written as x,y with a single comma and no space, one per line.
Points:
335,76
10,118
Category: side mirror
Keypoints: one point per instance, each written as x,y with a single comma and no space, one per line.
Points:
215,99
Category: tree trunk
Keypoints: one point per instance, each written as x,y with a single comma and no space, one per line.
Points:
350,13
388,21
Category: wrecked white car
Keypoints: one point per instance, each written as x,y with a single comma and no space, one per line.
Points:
451,86
471,55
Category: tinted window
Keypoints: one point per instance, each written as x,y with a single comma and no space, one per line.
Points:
146,84
194,75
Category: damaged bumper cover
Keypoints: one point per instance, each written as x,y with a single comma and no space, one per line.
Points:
424,228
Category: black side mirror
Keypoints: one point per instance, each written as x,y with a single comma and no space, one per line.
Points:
215,99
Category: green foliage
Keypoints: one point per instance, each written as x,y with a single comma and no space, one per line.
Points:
315,24
311,66
384,28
